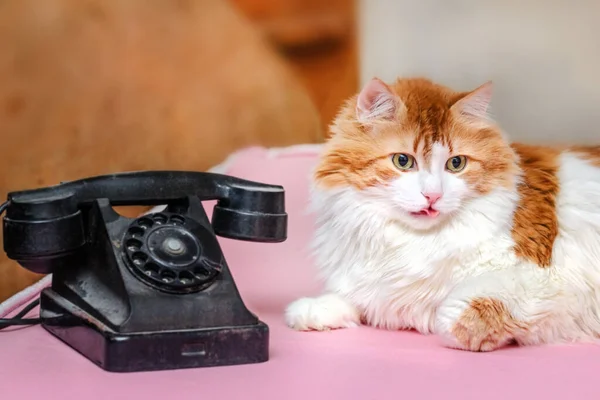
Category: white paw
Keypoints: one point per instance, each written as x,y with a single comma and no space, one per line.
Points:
321,313
446,317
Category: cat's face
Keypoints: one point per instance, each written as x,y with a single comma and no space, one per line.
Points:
418,150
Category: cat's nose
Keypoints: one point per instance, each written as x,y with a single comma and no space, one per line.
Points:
432,197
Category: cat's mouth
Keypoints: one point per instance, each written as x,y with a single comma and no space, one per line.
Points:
426,212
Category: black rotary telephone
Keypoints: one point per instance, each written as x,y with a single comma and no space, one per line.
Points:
149,293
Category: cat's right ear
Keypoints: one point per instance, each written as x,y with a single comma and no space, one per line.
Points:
376,102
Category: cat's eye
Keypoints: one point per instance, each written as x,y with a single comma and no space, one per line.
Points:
403,161
456,164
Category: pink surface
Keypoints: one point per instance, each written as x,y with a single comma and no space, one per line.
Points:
361,363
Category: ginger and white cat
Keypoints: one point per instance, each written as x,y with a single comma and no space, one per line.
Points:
428,218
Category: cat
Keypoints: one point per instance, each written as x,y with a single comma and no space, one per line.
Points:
429,218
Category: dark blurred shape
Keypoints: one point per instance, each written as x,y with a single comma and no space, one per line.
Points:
320,41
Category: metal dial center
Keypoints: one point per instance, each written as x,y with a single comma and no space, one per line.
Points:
174,246
172,252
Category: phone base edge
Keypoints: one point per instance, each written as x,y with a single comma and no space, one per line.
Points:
156,351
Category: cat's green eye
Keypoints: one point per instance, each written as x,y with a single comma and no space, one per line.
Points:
456,164
403,161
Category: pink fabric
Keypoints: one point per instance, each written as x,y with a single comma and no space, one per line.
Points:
361,363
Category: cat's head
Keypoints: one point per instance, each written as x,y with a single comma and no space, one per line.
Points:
420,150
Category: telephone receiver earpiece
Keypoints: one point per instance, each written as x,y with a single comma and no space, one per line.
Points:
47,222
251,213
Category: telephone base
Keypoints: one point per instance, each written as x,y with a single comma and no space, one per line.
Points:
153,351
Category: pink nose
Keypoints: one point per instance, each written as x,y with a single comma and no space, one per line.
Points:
432,197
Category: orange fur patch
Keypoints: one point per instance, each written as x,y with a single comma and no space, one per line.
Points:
486,325
589,153
492,162
535,224
360,156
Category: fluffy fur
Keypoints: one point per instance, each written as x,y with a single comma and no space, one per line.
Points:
509,251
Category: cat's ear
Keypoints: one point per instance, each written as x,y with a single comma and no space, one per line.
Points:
376,101
475,105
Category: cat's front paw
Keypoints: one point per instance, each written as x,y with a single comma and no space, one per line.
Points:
481,324
321,313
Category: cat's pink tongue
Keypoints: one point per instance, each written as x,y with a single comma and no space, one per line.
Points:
433,213
429,212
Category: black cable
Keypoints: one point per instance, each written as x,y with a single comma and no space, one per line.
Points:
8,322
18,319
27,308
4,206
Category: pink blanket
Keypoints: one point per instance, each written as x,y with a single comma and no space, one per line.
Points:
361,363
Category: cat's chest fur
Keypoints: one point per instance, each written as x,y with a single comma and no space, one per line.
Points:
396,277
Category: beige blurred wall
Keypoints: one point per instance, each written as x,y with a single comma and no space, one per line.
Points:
543,56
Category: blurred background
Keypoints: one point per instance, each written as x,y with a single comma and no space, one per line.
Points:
97,86
542,55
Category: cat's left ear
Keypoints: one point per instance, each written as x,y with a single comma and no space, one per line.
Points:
475,105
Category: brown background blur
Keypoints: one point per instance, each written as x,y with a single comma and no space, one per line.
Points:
97,86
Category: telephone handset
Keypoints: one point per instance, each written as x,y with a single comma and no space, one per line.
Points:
152,292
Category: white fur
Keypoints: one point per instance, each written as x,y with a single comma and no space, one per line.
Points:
329,311
398,273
